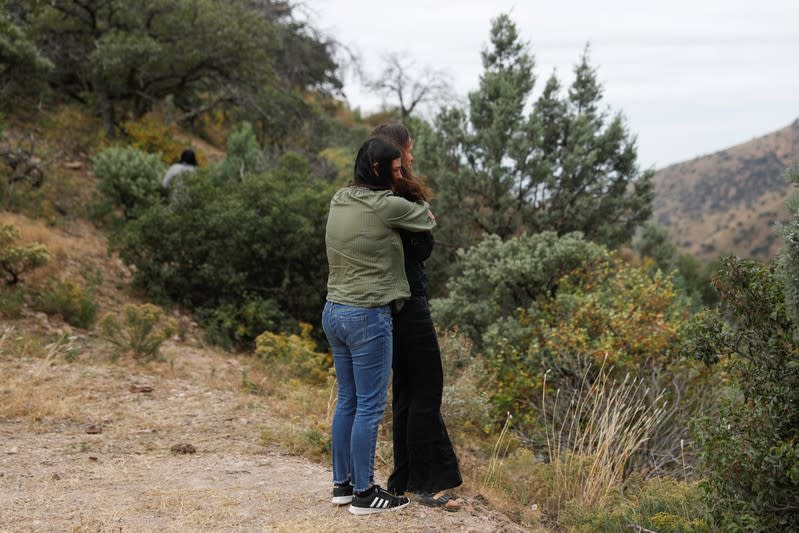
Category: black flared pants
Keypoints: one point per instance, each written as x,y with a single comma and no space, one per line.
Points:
424,460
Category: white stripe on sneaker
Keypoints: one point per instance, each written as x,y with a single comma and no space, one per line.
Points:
379,503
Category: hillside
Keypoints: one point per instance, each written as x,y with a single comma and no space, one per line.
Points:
199,440
728,201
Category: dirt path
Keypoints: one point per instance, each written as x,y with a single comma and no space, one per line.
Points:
93,449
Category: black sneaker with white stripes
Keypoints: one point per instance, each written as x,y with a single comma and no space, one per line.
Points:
342,494
376,500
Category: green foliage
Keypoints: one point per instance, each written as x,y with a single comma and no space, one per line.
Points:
17,260
658,504
128,178
228,245
139,332
126,57
238,323
22,65
243,156
691,276
151,134
750,450
298,351
465,404
789,254
12,301
566,166
500,277
75,304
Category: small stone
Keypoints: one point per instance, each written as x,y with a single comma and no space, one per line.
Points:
93,429
141,388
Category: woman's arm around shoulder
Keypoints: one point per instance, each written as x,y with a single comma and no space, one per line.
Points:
399,213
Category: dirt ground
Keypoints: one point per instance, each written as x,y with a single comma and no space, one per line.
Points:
90,445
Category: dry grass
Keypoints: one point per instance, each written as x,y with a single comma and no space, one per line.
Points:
53,398
605,425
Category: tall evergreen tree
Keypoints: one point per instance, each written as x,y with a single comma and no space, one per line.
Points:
509,165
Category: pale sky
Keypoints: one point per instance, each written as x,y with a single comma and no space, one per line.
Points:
691,77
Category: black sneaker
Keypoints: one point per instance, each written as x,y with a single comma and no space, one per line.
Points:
377,500
342,494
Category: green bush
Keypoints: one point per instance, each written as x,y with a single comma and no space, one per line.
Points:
659,504
128,179
139,333
750,450
238,323
12,301
298,352
243,157
256,244
75,305
498,277
16,260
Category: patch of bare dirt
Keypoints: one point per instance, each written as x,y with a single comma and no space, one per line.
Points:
89,445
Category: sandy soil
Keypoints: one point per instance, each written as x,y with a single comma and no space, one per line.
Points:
96,446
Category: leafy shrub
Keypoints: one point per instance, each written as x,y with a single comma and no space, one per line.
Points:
498,277
238,324
73,129
244,156
297,351
12,301
560,305
16,260
750,450
128,178
139,333
75,304
657,504
151,134
465,403
236,246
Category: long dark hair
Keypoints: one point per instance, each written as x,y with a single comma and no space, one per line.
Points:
375,150
411,186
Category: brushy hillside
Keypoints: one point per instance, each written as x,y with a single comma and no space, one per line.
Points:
198,439
729,201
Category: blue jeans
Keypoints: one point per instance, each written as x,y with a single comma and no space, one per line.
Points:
361,340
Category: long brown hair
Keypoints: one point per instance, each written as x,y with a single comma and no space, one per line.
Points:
411,186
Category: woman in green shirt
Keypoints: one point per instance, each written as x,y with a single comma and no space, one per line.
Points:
366,281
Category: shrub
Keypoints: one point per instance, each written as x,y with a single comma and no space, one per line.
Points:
750,450
128,178
465,403
297,351
139,333
246,244
16,260
238,324
12,301
152,135
244,156
75,304
498,277
657,504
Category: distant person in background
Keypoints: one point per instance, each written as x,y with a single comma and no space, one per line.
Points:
187,163
424,460
366,281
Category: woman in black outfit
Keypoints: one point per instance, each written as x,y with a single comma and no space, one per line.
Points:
424,461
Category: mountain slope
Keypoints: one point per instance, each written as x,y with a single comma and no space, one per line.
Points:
729,201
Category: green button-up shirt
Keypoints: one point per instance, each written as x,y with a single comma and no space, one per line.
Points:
364,252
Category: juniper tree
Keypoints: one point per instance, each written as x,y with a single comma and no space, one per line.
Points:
508,164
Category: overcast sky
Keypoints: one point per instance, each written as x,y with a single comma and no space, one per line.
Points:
690,76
